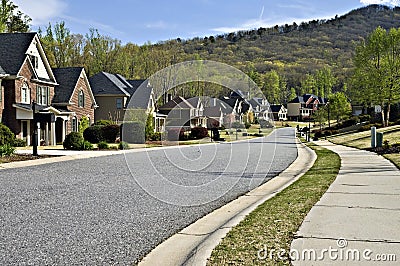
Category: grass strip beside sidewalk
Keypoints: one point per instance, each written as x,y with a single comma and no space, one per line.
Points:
273,224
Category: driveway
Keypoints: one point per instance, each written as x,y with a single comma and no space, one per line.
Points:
116,209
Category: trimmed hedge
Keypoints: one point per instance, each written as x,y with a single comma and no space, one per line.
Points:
73,141
103,123
110,133
133,132
198,133
176,134
93,134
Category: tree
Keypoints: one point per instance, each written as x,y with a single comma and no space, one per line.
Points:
339,106
308,85
321,116
324,82
377,69
11,19
149,128
270,87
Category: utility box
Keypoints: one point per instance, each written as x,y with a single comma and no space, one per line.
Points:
379,139
373,137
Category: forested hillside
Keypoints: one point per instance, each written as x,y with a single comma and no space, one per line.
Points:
288,58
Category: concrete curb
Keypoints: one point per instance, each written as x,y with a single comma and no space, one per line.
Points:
194,244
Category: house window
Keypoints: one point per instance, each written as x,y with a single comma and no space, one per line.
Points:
42,95
74,124
25,94
119,103
81,99
34,61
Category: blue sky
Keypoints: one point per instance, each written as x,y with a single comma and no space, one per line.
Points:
156,20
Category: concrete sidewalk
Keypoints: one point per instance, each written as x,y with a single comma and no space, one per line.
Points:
357,221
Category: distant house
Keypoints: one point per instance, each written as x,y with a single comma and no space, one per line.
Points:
302,107
229,113
111,94
184,113
214,115
279,112
26,76
115,96
260,108
238,101
142,97
73,96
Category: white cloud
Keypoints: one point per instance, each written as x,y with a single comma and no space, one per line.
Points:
381,2
41,11
158,25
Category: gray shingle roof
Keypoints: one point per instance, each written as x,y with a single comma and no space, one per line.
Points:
139,98
13,48
212,111
275,108
67,79
104,83
135,84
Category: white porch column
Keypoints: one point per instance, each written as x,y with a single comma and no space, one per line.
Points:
53,133
46,134
38,134
63,130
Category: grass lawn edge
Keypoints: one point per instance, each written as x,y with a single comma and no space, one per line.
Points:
274,223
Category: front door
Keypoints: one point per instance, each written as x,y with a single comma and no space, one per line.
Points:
25,131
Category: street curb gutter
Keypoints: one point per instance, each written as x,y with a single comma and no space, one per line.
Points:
194,244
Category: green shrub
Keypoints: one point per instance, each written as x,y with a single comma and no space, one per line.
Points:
6,150
266,124
156,136
110,133
198,133
133,132
73,141
364,118
149,129
19,143
123,145
354,120
102,145
83,124
247,125
237,125
176,134
6,135
103,123
86,146
93,134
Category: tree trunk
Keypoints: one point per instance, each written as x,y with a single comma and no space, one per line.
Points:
387,115
383,116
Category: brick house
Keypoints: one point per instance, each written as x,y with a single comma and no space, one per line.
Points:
26,77
302,107
74,97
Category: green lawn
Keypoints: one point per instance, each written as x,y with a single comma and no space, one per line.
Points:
362,140
274,223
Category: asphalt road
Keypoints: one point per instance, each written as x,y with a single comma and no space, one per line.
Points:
115,209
